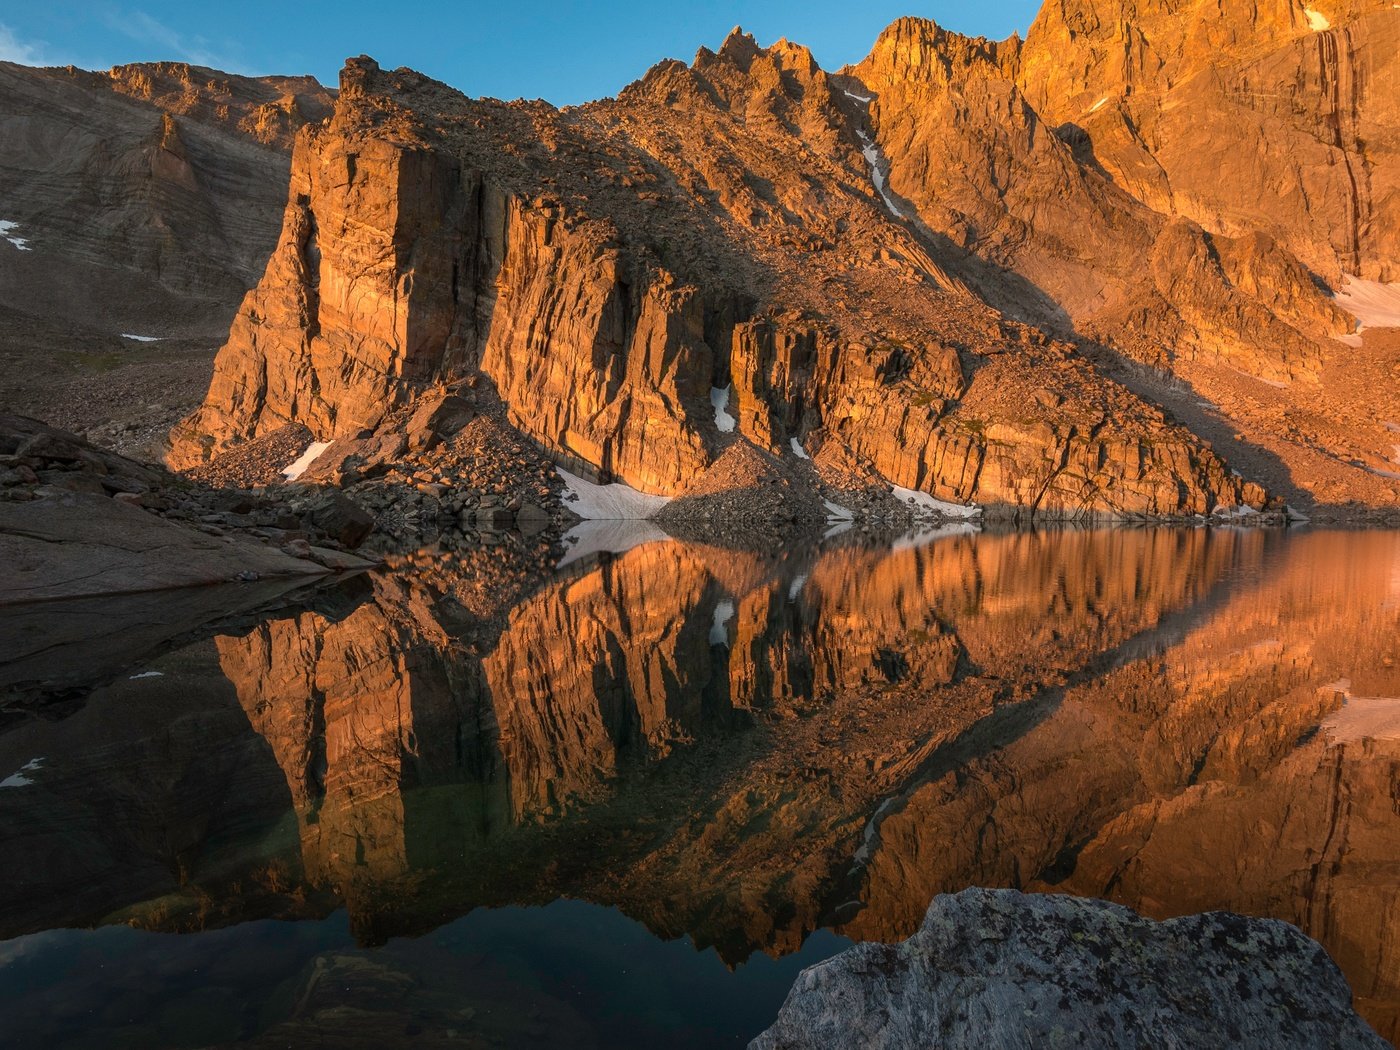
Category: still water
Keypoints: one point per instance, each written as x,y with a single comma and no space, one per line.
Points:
466,801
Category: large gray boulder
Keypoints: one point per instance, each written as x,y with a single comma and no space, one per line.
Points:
995,969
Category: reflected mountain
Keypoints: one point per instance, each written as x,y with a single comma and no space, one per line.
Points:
745,748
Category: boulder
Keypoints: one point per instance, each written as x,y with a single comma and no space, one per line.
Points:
1001,969
342,519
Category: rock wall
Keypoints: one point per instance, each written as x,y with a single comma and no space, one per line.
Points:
424,246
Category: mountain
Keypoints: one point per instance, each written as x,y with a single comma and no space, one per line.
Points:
141,201
1070,276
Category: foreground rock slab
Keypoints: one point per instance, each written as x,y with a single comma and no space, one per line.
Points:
1000,969
72,545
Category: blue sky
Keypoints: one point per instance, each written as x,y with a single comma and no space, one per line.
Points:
563,51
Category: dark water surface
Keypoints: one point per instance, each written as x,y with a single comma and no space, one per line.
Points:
461,802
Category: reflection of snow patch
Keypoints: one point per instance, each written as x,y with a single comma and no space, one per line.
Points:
1362,717
19,242
724,612
835,510
1373,303
795,588
797,449
719,399
844,525
147,674
141,338
923,537
927,504
616,502
18,779
1317,21
614,537
871,152
297,467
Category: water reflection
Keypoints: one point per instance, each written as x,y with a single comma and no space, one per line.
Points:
743,749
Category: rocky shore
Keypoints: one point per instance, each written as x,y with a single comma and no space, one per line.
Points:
77,520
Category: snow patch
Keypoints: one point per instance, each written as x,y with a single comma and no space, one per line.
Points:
719,400
297,467
18,778
862,99
835,510
871,152
927,504
616,502
1098,105
19,242
141,338
724,612
1374,304
1236,513
611,537
146,674
797,449
1317,21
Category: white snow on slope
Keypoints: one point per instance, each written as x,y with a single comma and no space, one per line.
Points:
611,536
297,467
19,242
838,512
872,156
1098,105
141,338
871,152
797,449
18,779
1317,21
719,399
724,612
616,502
924,502
1373,303
147,674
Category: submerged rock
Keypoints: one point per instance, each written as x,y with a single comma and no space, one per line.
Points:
999,968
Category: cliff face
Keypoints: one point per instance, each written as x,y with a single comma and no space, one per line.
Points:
1293,101
155,182
1015,183
604,272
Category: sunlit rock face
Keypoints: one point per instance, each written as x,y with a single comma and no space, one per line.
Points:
1246,764
600,271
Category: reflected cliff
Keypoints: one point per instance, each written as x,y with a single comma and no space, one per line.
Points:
743,749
